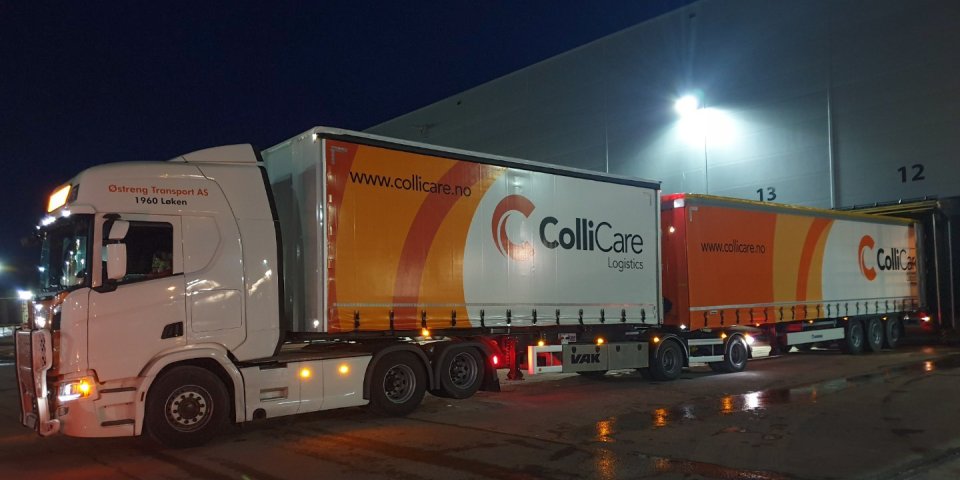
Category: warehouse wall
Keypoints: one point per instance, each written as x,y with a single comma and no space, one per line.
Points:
822,103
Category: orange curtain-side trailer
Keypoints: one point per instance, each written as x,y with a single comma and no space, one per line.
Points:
736,262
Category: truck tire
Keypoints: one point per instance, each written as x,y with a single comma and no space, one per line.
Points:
186,407
398,384
734,357
853,339
892,332
460,373
667,361
874,334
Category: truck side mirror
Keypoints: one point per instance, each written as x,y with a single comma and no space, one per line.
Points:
117,250
119,229
116,260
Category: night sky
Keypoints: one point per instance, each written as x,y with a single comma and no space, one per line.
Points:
83,83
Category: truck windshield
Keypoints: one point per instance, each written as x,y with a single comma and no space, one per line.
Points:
65,253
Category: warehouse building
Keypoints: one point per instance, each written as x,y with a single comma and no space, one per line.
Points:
823,103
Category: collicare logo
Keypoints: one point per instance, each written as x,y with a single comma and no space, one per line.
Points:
890,259
515,251
869,272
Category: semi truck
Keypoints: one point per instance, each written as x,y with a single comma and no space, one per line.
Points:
342,269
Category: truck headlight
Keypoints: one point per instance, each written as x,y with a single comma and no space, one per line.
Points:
75,389
39,316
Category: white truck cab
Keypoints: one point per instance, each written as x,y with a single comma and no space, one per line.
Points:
146,264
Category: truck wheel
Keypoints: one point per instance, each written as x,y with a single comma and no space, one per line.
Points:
891,337
734,357
854,338
461,373
874,334
186,407
667,362
399,382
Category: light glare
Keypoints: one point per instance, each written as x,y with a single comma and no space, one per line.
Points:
686,105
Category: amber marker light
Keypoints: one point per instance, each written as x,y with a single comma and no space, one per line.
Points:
425,332
541,343
58,198
656,339
305,373
723,335
600,341
344,369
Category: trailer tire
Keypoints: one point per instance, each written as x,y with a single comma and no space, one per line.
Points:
735,357
186,407
873,330
398,384
667,361
892,333
853,339
460,373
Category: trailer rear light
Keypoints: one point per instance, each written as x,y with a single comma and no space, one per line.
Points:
925,318
749,338
495,360
344,369
75,389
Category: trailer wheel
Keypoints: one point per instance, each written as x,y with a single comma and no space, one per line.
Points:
734,357
667,362
399,382
892,332
186,407
853,341
460,373
874,334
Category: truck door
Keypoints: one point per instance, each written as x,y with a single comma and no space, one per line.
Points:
137,316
